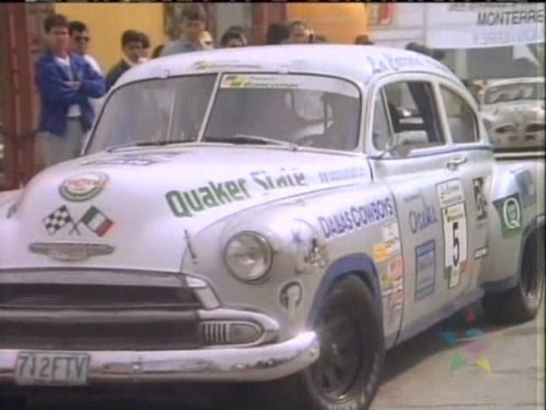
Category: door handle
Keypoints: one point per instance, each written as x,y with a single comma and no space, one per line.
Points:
455,163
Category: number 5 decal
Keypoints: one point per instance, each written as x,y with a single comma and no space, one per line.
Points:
454,219
456,246
452,202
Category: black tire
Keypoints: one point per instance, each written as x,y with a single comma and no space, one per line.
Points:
522,302
347,373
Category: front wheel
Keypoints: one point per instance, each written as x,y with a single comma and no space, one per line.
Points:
347,373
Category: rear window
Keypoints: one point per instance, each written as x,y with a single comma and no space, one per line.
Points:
413,113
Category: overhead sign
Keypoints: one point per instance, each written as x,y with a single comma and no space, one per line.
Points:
483,25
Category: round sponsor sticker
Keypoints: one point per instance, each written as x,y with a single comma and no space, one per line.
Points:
83,187
512,213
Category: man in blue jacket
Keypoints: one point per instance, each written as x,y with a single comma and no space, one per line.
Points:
65,82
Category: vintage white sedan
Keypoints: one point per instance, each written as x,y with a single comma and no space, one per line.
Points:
274,214
513,112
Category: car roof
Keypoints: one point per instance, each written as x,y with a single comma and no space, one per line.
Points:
357,62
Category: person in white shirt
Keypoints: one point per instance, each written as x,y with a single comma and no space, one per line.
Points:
79,44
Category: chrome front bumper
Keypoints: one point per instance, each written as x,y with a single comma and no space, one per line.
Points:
262,363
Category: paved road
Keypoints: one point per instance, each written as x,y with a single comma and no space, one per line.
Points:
418,373
438,370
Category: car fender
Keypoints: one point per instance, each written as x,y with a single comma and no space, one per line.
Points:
358,264
511,180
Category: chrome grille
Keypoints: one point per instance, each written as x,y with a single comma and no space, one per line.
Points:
98,317
30,296
215,333
144,334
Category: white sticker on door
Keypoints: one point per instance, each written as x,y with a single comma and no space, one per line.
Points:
451,198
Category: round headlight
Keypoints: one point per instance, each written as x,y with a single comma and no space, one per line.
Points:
248,256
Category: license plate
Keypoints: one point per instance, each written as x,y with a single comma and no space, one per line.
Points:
67,369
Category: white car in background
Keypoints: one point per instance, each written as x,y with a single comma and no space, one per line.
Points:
513,111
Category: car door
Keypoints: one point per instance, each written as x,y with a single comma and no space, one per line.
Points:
409,104
472,161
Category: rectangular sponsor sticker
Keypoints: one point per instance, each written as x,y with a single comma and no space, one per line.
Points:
450,192
425,269
391,237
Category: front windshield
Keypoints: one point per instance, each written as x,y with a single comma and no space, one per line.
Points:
306,110
153,111
514,92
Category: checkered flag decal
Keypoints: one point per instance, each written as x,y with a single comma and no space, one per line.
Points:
57,220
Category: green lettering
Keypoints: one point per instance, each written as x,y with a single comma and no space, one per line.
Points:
219,192
281,182
177,204
242,185
195,204
256,177
233,190
208,198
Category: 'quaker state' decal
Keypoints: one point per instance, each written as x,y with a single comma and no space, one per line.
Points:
451,198
479,198
509,210
214,194
425,269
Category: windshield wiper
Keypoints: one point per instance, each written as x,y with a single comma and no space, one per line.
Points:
250,139
151,144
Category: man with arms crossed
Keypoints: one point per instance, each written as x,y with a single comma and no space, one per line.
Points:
65,82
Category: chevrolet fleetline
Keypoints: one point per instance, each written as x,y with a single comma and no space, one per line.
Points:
513,112
281,215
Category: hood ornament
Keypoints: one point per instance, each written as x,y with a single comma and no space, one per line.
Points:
70,251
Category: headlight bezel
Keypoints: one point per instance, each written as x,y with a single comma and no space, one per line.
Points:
267,256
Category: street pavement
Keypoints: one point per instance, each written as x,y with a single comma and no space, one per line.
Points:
456,366
462,363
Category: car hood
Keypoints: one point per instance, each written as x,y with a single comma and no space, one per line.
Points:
135,209
514,108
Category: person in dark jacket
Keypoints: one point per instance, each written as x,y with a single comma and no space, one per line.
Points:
232,38
65,83
277,33
132,46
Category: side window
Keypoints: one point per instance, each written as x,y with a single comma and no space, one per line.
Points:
380,126
460,118
413,113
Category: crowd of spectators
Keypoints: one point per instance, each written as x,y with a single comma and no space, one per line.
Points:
72,83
